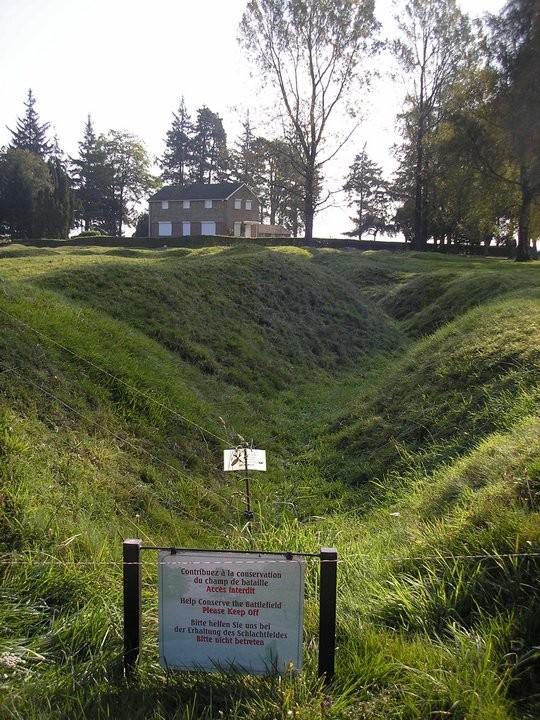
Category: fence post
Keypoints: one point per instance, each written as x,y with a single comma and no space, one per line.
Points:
132,574
327,612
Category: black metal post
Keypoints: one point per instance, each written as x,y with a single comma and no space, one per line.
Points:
327,612
132,576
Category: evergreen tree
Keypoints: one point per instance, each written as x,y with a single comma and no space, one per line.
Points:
209,157
30,134
90,179
177,156
368,190
247,159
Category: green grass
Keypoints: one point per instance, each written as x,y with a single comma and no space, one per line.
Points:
397,397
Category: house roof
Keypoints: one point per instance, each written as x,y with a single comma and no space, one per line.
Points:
217,191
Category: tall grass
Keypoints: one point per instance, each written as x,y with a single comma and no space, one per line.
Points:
397,398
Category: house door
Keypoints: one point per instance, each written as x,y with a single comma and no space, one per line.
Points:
208,228
248,230
186,228
237,228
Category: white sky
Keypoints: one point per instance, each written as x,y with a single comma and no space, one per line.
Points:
128,62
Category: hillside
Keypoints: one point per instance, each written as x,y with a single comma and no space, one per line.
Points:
397,397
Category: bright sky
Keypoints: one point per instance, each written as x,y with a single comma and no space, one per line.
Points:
128,62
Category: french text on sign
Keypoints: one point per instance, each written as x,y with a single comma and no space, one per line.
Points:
258,632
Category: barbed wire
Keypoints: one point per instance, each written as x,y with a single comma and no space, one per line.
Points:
132,388
308,556
185,476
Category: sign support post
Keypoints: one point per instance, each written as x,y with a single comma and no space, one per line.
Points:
327,613
246,459
132,580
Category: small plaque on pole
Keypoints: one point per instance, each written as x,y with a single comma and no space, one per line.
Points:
243,459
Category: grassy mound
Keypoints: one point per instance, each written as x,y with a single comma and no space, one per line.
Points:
397,397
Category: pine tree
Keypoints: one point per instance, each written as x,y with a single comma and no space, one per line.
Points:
30,134
209,161
247,160
90,178
367,190
176,158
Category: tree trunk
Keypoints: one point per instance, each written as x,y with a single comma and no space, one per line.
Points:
523,250
309,204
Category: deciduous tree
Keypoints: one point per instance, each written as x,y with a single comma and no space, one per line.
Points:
516,52
312,51
128,177
435,47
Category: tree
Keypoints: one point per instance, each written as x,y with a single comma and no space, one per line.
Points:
30,134
177,156
435,48
312,51
90,179
141,225
368,190
128,177
209,158
247,159
280,186
516,51
59,204
35,195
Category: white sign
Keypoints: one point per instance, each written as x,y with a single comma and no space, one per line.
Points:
242,612
236,459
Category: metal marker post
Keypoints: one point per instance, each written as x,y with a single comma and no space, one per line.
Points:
132,576
246,459
327,612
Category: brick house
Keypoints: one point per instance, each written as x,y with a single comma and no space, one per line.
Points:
219,209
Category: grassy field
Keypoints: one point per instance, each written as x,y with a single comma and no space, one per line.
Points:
397,397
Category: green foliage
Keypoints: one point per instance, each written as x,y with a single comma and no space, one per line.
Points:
123,375
35,196
312,53
30,134
90,233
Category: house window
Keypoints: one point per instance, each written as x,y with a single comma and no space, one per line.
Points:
238,204
164,204
186,204
186,228
207,203
248,204
208,228
165,229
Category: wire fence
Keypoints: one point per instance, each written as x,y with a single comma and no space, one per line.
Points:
342,560
346,558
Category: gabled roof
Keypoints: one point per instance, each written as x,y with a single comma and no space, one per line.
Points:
217,191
